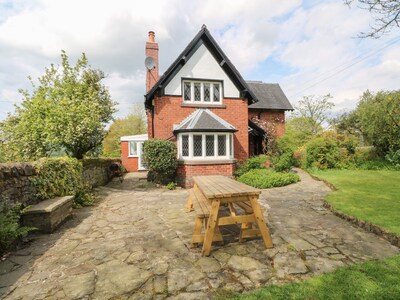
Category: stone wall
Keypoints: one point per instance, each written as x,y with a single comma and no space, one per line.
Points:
16,186
96,171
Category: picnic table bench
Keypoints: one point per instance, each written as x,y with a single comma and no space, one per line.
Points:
209,193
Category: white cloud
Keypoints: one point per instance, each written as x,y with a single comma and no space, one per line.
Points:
308,37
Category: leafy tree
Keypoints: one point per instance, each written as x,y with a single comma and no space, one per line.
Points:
314,111
133,124
67,111
378,117
386,14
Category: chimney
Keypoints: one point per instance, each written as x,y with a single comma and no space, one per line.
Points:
151,72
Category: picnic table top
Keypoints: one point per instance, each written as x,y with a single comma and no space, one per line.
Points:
222,187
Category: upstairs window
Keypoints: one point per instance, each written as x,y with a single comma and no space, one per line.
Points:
204,92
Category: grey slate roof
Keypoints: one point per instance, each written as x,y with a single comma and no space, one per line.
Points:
269,96
204,120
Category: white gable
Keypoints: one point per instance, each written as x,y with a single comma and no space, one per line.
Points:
202,65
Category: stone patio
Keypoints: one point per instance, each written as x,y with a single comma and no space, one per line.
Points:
135,244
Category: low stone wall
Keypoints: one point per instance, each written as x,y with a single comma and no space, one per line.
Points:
16,186
96,171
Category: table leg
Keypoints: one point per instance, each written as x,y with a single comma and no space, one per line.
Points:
212,223
261,222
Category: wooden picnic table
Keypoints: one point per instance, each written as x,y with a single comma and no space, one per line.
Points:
222,190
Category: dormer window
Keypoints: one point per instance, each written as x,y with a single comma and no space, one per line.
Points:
202,92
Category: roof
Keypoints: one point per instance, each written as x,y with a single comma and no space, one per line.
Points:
204,120
138,137
269,96
203,37
255,130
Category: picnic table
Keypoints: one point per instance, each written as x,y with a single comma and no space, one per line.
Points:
209,193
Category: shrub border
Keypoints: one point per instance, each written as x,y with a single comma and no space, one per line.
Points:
392,238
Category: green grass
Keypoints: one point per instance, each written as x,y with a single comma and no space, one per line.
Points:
370,280
370,195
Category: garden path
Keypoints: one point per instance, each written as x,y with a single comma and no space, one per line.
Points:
135,244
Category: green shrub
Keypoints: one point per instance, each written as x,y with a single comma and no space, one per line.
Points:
285,161
255,162
268,178
171,186
10,228
160,158
323,152
61,176
393,157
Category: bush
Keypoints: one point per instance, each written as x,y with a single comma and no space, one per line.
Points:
393,157
160,158
284,162
267,178
61,177
10,228
171,186
255,162
323,152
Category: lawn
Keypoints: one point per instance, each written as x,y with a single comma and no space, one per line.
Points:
370,280
372,196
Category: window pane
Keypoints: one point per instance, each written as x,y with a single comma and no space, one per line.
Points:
230,145
132,148
197,93
216,92
209,145
197,145
221,145
187,91
206,88
185,145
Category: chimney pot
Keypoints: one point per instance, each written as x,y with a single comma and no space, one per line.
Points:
151,36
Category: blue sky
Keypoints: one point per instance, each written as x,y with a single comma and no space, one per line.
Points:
308,47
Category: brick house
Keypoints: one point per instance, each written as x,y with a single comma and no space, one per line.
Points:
207,109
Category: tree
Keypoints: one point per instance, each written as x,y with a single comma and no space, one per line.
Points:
314,111
378,117
386,14
67,112
134,123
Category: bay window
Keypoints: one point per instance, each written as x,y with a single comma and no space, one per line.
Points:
205,146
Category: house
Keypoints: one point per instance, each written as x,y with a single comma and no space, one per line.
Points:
207,109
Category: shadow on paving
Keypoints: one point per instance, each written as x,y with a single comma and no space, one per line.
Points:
135,244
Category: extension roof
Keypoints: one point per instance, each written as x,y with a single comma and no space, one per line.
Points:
203,37
269,96
204,120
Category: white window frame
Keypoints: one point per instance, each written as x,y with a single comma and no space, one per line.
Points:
129,149
229,153
201,82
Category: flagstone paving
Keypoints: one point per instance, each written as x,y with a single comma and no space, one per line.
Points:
135,244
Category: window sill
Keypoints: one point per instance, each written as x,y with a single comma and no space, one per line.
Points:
130,156
203,105
207,162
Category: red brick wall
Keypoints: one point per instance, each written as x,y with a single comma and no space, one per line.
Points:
277,117
186,172
168,111
130,163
